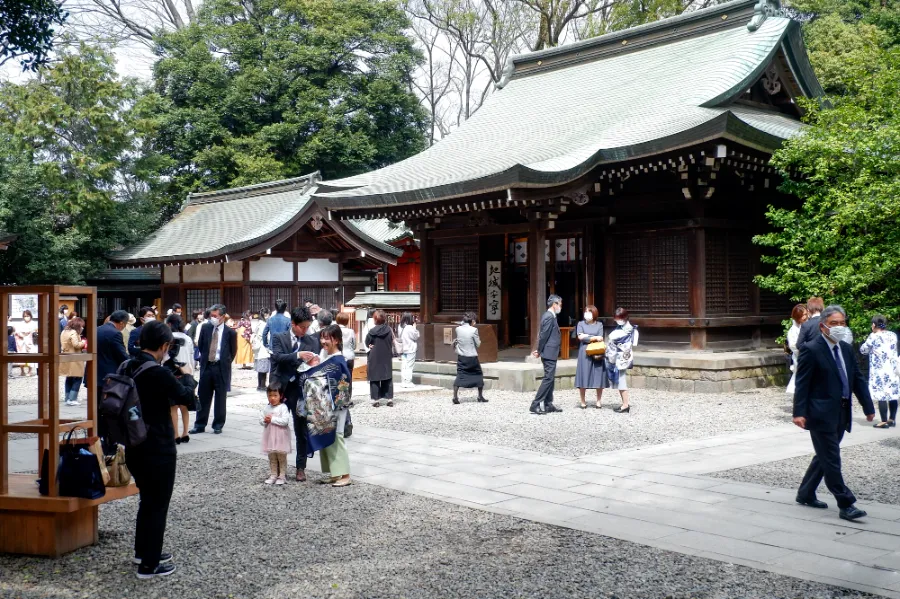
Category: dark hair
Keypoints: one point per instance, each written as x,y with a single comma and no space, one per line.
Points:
407,319
206,314
195,314
593,310
176,307
63,308
880,321
308,301
370,313
469,317
143,311
621,313
334,333
815,304
300,315
174,322
9,330
75,324
220,308
280,305
342,318
276,387
154,335
119,316
798,312
553,299
325,317
832,309
379,316
27,313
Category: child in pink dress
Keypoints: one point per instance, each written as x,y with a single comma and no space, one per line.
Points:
276,439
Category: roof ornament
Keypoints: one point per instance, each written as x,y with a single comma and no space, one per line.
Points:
507,73
316,221
762,10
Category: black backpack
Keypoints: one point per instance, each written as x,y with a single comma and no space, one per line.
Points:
120,407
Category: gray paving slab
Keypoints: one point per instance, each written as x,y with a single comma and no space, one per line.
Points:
817,546
601,469
617,526
404,482
526,506
728,546
542,493
874,539
687,482
682,493
839,569
474,480
541,480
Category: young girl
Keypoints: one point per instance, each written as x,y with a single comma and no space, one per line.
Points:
276,439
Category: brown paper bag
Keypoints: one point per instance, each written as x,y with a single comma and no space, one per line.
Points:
119,475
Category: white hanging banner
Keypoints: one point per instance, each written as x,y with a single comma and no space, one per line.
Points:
494,290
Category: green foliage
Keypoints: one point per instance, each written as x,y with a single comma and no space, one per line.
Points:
73,183
844,243
26,30
258,90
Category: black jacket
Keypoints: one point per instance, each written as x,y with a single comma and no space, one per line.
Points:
159,390
809,331
380,356
817,395
134,345
110,351
227,350
549,337
283,357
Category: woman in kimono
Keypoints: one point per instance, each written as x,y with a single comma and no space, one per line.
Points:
619,357
326,396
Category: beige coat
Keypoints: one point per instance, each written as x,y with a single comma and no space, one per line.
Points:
71,344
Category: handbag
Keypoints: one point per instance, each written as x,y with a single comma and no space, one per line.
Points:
79,472
92,444
396,346
596,348
119,474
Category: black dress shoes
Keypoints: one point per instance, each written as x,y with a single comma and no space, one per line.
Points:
196,431
217,431
812,503
852,513
537,410
550,408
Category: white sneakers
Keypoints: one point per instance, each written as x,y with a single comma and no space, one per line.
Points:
277,480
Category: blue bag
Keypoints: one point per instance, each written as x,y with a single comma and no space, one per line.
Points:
79,472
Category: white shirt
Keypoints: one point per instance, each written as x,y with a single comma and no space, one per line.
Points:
840,353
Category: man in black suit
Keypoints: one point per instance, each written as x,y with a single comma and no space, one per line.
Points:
548,351
110,354
218,346
827,373
809,330
290,349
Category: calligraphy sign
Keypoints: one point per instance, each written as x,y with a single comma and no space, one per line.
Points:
494,290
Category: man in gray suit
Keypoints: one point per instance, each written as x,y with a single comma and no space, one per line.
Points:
548,351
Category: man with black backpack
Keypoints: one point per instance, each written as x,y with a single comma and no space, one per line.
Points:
152,461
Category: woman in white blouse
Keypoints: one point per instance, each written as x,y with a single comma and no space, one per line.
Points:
799,315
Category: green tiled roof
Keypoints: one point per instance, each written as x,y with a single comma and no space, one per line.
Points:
385,299
217,224
632,93
381,229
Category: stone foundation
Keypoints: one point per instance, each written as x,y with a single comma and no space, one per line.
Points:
684,372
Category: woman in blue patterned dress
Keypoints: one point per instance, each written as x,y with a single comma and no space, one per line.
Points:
884,382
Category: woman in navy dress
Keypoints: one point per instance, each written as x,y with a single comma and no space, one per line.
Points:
590,371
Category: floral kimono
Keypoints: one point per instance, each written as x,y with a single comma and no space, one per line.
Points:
325,391
618,352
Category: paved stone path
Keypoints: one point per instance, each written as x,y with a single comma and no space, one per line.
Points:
654,496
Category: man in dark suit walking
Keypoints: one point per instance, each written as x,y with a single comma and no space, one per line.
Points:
827,373
548,351
290,349
809,330
218,346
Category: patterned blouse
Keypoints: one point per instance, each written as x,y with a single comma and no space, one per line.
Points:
884,383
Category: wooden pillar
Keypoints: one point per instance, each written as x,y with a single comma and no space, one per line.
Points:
589,263
609,277
245,288
697,282
537,279
426,277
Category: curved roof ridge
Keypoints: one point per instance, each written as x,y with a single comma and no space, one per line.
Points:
302,182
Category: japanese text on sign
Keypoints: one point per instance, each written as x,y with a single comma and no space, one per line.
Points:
494,291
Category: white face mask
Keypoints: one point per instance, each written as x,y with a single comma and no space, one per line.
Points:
840,333
214,321
148,318
588,317
620,322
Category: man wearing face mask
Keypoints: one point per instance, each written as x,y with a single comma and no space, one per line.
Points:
144,315
827,374
218,345
548,351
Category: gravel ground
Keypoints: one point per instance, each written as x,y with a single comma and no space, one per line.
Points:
655,417
235,537
870,470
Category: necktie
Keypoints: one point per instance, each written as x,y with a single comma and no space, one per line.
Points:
214,345
296,345
845,384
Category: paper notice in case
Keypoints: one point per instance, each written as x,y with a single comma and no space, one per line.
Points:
448,336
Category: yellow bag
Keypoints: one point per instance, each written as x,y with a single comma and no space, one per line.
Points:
597,348
119,475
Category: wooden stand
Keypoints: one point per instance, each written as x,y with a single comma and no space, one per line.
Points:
31,523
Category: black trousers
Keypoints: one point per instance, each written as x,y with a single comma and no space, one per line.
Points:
381,389
155,479
350,366
291,398
545,391
212,381
826,464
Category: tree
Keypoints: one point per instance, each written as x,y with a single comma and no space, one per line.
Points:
844,243
26,30
73,182
257,90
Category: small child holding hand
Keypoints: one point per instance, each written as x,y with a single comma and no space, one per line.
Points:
276,439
